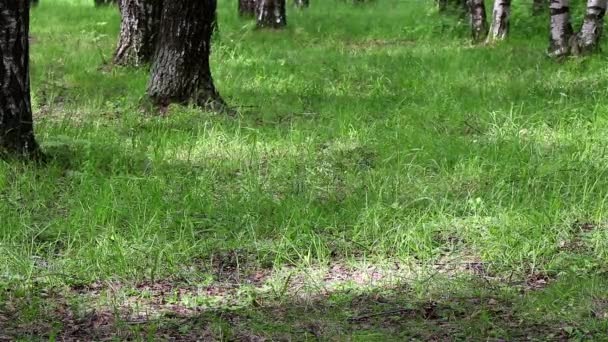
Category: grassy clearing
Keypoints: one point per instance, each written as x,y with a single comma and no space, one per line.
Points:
385,180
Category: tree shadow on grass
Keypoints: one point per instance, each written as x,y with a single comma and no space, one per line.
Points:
103,158
447,309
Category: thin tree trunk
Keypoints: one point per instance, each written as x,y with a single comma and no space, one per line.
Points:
479,24
16,123
271,13
500,20
247,8
560,29
539,7
180,72
588,39
138,31
302,3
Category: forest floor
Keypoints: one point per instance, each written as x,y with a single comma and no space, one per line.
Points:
384,180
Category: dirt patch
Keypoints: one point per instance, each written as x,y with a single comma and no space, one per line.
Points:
244,303
599,308
537,281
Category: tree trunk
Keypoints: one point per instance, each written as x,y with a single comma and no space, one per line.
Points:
247,8
180,72
560,29
16,126
138,31
539,7
302,3
479,24
500,20
588,39
271,13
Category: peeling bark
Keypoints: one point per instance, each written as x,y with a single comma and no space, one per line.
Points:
271,13
16,123
588,39
500,20
247,8
560,29
138,31
479,24
180,72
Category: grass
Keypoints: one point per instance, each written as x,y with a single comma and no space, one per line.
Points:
384,180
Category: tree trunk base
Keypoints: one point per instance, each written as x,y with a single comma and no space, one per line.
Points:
247,8
479,24
16,123
181,73
500,21
140,20
561,31
16,148
588,39
302,3
271,14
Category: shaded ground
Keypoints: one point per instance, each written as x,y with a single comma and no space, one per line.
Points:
451,301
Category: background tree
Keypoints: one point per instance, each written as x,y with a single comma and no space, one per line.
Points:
587,40
302,3
560,28
500,20
180,72
479,24
247,8
140,20
16,126
271,13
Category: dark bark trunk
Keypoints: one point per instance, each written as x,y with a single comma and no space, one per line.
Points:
180,72
138,31
500,20
16,126
560,29
539,6
302,3
105,2
247,8
271,13
588,39
479,24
